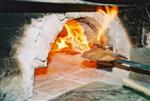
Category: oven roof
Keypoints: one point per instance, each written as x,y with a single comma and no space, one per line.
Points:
91,2
63,5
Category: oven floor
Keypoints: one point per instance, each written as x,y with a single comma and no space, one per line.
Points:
98,91
65,73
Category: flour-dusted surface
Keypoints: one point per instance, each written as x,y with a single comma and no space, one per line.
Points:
65,73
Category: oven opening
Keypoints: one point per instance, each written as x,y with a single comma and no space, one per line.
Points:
76,50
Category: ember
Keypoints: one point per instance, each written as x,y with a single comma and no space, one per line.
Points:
89,63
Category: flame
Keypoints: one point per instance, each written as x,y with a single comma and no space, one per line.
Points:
109,14
72,38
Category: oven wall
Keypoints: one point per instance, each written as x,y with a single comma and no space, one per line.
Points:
25,43
137,23
11,81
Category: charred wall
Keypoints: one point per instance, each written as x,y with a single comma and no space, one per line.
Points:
137,22
11,30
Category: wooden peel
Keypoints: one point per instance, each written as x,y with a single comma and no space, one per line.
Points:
106,58
99,54
110,59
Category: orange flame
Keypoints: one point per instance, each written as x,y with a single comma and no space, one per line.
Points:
72,38
109,14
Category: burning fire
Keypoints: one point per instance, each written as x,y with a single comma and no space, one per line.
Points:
72,38
109,14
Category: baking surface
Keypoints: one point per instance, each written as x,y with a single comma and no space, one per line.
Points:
65,73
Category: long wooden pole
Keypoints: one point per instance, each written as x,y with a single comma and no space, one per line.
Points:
132,66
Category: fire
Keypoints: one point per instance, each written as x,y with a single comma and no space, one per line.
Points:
72,38
109,14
